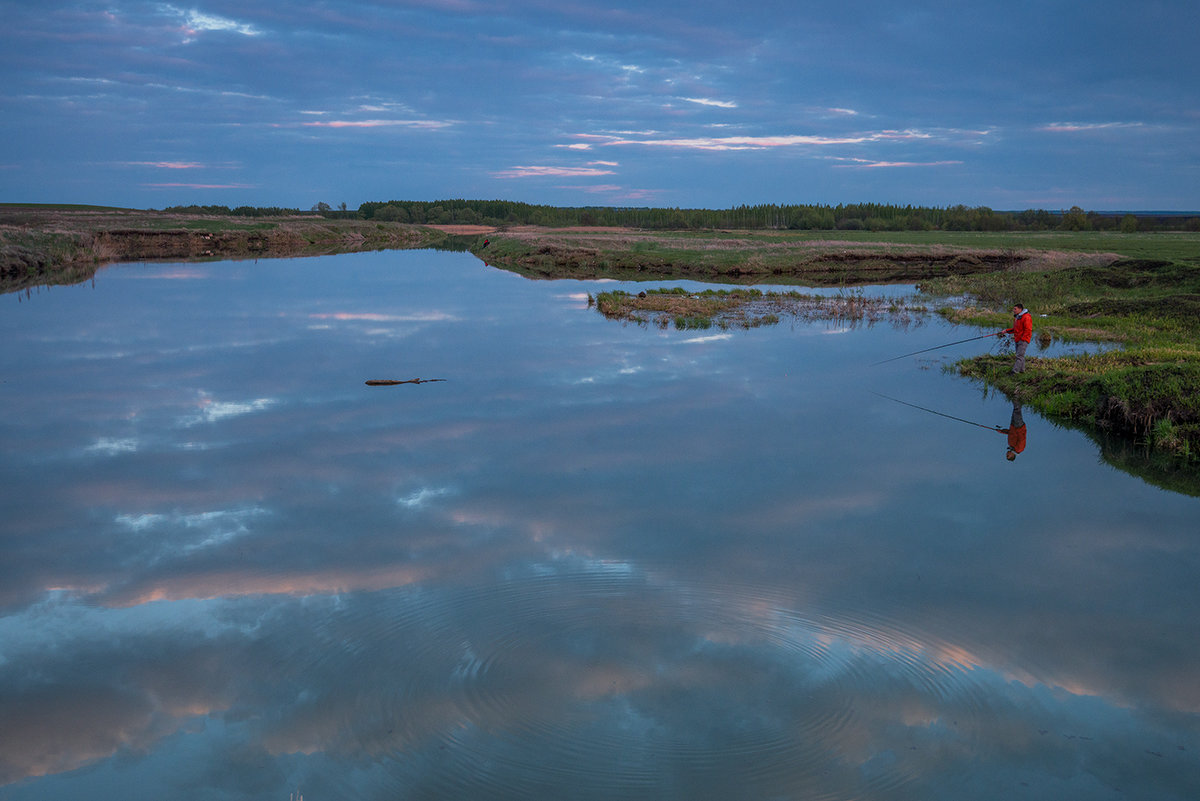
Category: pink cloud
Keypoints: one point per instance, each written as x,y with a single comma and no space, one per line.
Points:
427,124
538,172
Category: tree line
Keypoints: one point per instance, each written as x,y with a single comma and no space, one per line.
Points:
845,217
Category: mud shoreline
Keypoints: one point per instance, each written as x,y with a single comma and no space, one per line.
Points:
52,246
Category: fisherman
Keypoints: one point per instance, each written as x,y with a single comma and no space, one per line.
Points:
1016,433
1022,331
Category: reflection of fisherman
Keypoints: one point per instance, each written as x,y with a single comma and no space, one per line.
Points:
1016,433
1022,331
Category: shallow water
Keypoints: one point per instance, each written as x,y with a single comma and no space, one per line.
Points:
597,561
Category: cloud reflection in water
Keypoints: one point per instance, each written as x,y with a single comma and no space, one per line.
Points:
724,570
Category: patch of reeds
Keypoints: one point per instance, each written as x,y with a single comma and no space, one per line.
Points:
747,308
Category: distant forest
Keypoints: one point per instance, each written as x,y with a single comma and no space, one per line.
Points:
851,217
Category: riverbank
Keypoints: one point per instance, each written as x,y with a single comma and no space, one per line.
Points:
63,245
1138,291
811,258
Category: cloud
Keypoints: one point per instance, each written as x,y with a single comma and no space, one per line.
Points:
544,171
706,101
199,22
870,164
111,446
422,497
423,124
1078,127
700,340
212,411
192,532
767,142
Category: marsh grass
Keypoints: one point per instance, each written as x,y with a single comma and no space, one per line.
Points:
747,308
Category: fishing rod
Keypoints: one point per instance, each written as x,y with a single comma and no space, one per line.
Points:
935,347
933,411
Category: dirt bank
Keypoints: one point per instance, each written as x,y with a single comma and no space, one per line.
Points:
752,257
41,245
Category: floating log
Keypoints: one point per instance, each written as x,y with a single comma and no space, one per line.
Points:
387,382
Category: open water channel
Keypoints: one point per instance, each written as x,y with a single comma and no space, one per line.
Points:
597,561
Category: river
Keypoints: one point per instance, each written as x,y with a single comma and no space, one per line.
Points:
596,560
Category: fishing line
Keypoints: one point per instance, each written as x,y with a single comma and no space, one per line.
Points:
935,347
934,411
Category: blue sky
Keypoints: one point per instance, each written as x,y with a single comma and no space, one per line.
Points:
1012,104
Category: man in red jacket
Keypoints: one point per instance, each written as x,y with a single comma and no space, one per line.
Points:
1022,331
1016,433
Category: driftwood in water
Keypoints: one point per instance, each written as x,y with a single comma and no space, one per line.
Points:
387,382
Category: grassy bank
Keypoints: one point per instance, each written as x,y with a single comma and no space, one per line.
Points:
1148,387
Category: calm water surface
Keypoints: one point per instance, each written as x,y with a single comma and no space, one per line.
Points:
598,561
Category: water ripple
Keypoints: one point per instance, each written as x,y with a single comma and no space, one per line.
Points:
602,678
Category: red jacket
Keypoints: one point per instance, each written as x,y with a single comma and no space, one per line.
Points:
1022,329
1016,438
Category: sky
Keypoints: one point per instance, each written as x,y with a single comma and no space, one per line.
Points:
1013,105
